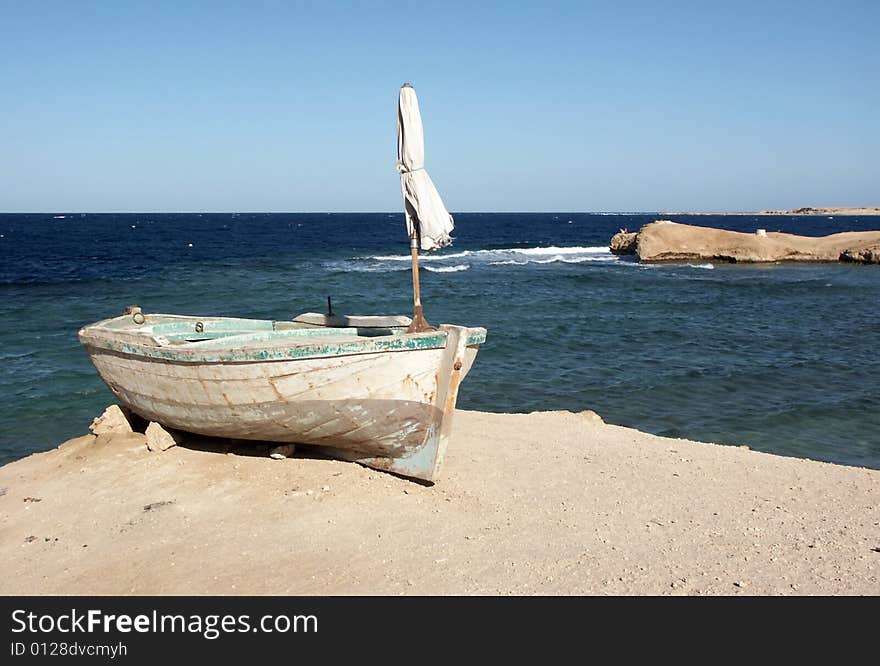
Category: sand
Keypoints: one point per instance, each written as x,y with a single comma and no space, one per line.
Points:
543,503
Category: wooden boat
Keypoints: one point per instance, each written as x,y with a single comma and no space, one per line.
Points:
366,390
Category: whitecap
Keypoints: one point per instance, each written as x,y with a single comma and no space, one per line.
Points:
448,269
506,256
583,260
552,260
423,257
553,249
360,267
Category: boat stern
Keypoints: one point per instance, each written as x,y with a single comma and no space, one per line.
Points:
426,461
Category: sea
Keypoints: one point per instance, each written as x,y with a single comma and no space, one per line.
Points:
782,358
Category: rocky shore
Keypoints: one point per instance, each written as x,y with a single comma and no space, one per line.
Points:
826,210
542,503
805,210
665,240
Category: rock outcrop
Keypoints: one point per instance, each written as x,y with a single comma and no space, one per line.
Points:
624,242
665,240
591,416
113,420
865,255
159,439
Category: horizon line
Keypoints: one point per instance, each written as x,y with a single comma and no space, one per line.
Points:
339,212
790,211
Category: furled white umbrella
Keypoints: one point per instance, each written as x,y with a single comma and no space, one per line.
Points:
426,216
428,222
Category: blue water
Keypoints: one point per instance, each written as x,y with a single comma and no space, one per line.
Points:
782,358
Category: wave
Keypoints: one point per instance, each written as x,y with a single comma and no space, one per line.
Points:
361,267
448,269
423,257
706,266
15,356
505,256
553,249
597,253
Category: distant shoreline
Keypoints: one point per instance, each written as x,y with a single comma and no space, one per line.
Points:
866,210
854,210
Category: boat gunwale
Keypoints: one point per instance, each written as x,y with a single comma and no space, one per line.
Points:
99,336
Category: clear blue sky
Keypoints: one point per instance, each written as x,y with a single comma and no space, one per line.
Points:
575,106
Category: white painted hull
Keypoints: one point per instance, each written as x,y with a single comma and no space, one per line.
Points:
389,409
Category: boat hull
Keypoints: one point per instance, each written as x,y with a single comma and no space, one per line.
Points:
384,407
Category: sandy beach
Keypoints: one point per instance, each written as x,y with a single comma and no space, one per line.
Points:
541,503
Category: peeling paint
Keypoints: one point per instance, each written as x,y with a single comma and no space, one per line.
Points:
362,397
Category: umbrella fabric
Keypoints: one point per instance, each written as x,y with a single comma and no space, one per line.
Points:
426,216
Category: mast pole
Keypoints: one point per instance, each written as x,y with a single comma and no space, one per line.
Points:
419,323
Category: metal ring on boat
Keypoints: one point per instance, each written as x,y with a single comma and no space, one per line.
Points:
200,327
138,318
